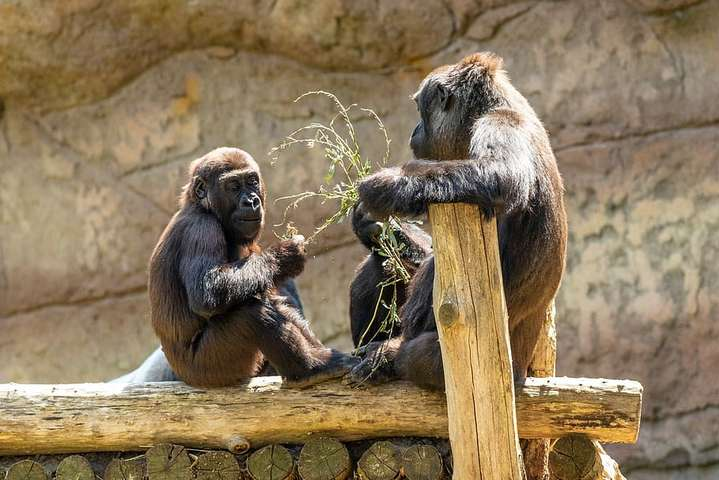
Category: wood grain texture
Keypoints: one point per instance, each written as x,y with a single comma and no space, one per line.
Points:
544,361
273,462
381,461
168,462
26,470
217,466
119,469
74,418
324,458
577,457
473,330
422,462
74,467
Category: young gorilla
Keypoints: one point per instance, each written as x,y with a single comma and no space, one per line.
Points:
477,141
220,305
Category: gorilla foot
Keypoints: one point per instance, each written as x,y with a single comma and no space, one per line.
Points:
370,371
337,366
369,350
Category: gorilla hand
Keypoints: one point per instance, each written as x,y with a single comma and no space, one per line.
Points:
290,256
365,227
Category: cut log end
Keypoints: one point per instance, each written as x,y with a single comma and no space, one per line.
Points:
422,462
382,461
74,467
26,470
573,458
324,458
217,466
119,469
273,462
576,457
168,462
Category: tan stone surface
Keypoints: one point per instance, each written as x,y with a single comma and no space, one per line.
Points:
639,300
65,343
103,105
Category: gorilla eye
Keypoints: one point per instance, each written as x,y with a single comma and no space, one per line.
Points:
252,180
444,95
200,189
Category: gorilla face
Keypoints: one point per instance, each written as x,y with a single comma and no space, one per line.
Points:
240,205
449,101
434,102
233,191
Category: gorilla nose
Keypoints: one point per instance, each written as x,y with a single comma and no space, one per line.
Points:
250,202
249,208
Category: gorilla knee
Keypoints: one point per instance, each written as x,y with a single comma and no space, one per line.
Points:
420,361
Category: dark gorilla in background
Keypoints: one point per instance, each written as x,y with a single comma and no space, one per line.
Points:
222,307
477,141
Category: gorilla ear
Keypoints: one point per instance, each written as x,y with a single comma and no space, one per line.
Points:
199,188
444,96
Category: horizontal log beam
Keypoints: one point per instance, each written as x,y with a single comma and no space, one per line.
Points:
118,417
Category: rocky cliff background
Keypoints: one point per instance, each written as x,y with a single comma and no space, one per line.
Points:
103,104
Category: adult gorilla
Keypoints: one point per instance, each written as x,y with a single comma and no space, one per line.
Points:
478,141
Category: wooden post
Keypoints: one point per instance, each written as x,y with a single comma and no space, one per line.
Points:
471,318
544,363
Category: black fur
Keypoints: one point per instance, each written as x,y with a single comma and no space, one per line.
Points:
478,141
220,305
365,319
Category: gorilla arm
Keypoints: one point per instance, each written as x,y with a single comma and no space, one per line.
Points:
233,319
213,286
499,175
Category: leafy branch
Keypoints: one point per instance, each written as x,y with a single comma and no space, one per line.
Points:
347,167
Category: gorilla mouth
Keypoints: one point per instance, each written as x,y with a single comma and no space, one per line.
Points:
249,219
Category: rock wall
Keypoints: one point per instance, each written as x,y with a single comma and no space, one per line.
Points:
103,105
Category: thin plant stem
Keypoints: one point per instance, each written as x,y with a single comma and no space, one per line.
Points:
339,142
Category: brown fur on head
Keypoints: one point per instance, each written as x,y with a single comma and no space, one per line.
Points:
486,60
214,163
451,99
227,184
